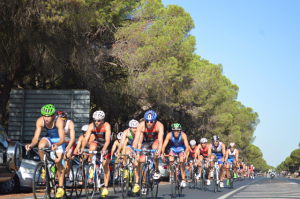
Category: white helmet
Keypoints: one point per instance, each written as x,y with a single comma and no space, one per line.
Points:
119,136
232,144
133,123
98,115
192,142
203,140
85,127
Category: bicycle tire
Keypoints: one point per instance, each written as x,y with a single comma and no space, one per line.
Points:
144,181
38,181
132,182
125,184
101,181
69,189
231,179
79,177
204,183
51,184
116,179
90,187
218,184
215,181
173,182
192,180
154,185
179,179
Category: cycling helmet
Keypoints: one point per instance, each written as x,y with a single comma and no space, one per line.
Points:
98,115
48,110
62,114
192,142
203,140
215,137
119,136
176,127
150,115
133,123
85,127
232,144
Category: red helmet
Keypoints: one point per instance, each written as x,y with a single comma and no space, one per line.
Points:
62,114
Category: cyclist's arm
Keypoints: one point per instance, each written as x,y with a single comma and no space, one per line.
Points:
160,136
87,135
187,146
39,125
114,148
124,136
166,143
80,140
107,136
209,151
237,155
61,131
72,135
139,132
197,153
223,150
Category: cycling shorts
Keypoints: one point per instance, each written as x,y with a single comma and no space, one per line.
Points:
219,157
147,145
230,160
100,146
129,146
176,151
51,141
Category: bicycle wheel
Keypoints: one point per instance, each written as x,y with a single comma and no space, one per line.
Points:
204,180
191,180
39,180
219,181
231,179
144,181
116,180
179,179
79,180
215,181
173,182
100,182
69,186
154,185
132,182
125,184
90,182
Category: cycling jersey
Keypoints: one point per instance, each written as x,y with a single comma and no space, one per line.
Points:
203,151
177,145
231,156
52,135
130,137
150,135
193,152
100,134
217,151
67,135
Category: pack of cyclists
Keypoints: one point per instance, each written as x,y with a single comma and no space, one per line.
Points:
148,134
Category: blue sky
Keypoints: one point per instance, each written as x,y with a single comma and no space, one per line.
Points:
258,44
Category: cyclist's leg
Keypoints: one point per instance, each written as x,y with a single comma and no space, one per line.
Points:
58,161
68,163
105,164
222,168
200,164
156,160
44,143
211,165
227,165
182,165
93,147
234,165
127,152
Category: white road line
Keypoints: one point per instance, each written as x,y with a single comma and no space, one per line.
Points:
232,192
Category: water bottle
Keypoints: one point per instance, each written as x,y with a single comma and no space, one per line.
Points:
52,171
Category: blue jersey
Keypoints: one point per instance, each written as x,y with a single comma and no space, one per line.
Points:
177,142
52,132
217,150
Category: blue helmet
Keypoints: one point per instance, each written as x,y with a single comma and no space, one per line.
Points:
150,115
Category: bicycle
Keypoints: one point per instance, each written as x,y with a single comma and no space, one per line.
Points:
216,176
128,168
203,182
176,177
80,174
231,175
118,177
192,176
146,175
44,175
94,172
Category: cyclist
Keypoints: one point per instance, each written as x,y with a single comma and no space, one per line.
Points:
56,140
250,171
179,146
127,140
153,133
69,142
232,155
192,156
241,168
102,131
201,154
81,140
216,150
117,144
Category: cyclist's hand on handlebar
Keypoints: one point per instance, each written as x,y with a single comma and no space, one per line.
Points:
117,154
54,147
28,147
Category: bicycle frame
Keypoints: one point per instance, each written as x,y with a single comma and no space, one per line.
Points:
97,175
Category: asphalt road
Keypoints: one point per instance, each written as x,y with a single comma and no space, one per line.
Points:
258,188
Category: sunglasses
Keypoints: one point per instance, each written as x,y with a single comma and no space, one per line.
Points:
231,147
150,121
97,120
216,140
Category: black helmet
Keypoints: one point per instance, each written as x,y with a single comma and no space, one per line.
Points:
215,137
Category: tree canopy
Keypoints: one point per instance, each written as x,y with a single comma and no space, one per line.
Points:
132,55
